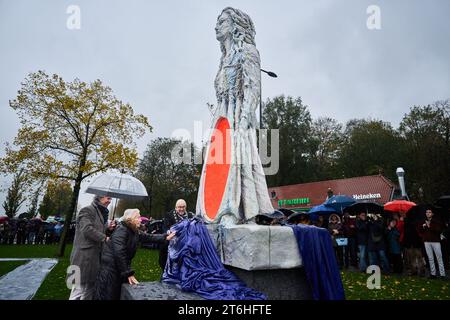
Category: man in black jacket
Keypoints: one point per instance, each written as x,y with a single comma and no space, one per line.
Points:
412,244
362,235
173,217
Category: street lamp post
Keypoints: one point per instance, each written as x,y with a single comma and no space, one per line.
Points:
273,75
401,181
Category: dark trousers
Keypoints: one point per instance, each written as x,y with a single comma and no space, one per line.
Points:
396,262
350,253
163,252
339,255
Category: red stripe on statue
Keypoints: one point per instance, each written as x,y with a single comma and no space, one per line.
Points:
217,168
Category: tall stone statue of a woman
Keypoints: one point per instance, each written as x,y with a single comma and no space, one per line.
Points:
233,187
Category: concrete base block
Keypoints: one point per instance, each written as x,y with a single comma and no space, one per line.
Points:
281,284
256,247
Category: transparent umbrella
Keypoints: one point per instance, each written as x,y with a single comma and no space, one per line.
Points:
118,185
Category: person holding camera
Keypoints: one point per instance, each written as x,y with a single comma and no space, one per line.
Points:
431,230
395,251
336,231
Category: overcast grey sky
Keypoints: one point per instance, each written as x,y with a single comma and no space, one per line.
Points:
162,56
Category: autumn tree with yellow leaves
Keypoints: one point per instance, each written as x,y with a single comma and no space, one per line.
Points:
71,130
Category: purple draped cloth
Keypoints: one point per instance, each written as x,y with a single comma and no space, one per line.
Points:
319,261
194,266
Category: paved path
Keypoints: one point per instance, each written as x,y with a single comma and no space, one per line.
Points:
23,282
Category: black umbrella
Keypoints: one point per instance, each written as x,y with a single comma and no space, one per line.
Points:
417,213
286,212
267,218
298,216
365,206
443,202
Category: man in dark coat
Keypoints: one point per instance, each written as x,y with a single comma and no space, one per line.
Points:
431,230
376,244
362,235
89,238
412,244
173,217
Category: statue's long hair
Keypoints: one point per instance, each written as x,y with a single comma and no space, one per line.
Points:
243,29
242,33
242,54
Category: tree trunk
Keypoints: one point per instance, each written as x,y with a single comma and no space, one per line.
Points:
72,209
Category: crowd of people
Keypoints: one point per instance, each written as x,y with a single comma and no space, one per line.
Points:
32,231
103,249
398,244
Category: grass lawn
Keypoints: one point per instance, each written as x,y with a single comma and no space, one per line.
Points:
394,287
7,266
145,264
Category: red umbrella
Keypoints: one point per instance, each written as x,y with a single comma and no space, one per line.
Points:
3,219
401,206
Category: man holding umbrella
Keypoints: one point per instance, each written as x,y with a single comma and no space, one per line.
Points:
87,246
91,226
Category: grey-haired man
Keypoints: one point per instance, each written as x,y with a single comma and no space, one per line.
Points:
87,246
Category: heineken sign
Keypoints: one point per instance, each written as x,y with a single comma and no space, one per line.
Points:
367,196
293,202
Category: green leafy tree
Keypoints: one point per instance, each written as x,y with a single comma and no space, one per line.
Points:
33,209
15,196
166,177
293,120
426,130
71,130
326,143
370,147
57,199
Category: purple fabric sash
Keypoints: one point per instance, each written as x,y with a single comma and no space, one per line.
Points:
194,266
319,261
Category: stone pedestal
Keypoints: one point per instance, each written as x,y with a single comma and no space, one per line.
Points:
155,291
277,284
256,247
266,258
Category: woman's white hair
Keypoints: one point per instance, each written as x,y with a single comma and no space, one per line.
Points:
129,214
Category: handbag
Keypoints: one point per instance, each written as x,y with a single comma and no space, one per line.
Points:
342,241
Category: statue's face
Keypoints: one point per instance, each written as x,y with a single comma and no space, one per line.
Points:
223,27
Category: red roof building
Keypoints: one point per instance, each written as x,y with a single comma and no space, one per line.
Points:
303,196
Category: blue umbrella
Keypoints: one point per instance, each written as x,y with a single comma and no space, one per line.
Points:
339,202
320,209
